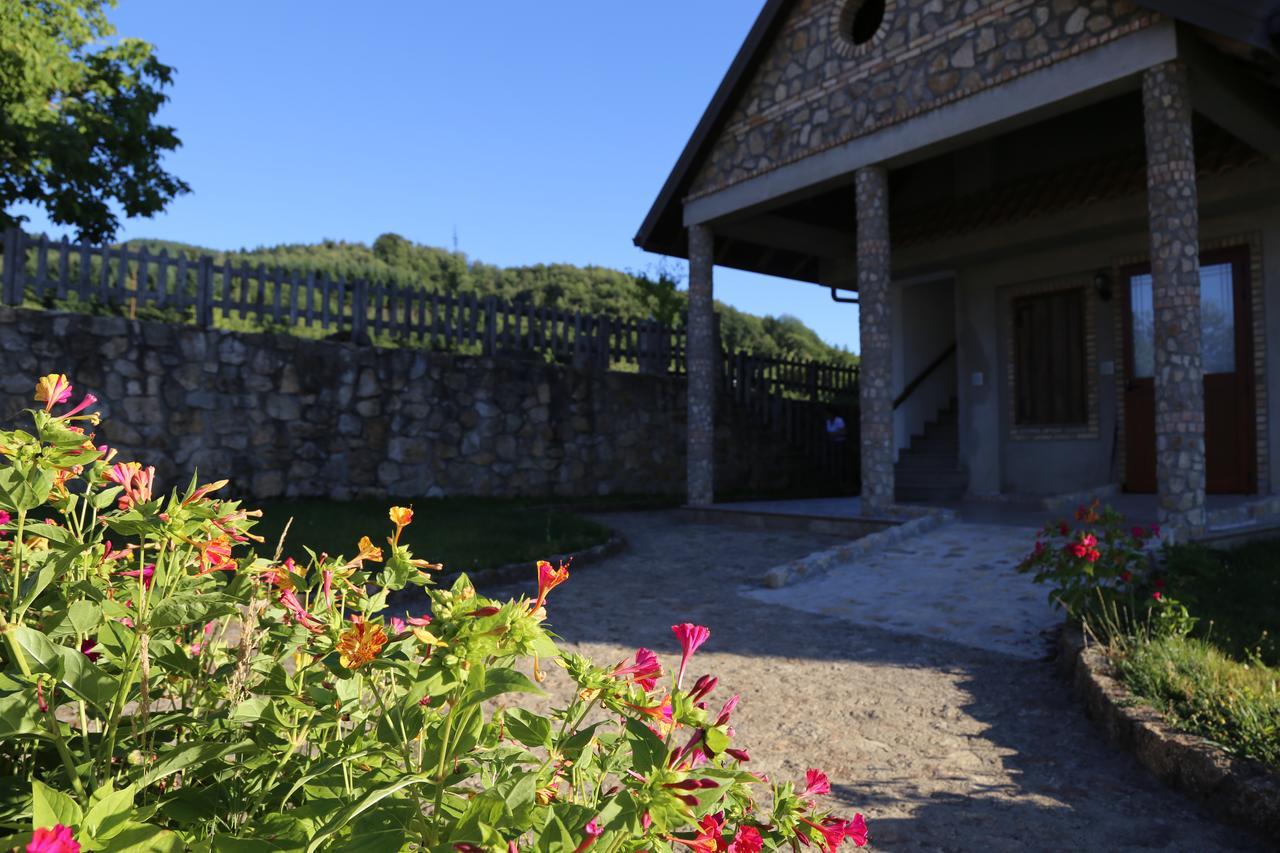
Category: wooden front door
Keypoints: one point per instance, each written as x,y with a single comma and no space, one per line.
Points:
1227,356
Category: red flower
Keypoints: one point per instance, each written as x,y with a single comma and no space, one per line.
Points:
1126,576
1093,555
289,599
1138,533
56,840
1089,540
1157,596
1155,530
747,840
87,647
728,708
691,637
739,754
1063,529
816,783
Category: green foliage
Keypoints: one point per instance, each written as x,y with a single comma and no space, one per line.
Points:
650,295
1236,594
79,132
165,687
464,533
1201,690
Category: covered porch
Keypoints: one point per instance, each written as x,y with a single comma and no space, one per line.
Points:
1060,283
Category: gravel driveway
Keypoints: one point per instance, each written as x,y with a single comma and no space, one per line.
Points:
942,746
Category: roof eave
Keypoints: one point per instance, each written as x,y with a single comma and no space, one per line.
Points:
714,116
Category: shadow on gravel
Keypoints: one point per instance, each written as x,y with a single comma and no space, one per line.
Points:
1054,785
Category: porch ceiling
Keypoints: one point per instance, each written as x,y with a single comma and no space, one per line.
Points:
1092,155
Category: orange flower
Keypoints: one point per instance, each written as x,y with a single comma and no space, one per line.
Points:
401,517
215,555
548,579
368,551
360,643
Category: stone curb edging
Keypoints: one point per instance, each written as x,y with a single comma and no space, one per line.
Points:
822,562
1233,789
524,571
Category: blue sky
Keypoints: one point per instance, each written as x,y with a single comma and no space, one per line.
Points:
541,132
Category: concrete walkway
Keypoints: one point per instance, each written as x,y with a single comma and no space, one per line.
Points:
958,583
943,746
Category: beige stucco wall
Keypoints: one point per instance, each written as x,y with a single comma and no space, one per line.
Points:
998,462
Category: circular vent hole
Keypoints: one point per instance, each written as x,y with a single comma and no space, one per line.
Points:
866,21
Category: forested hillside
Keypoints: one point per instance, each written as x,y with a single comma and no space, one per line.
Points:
596,290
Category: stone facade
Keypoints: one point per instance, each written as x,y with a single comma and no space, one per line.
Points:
1173,212
875,328
283,416
811,92
700,360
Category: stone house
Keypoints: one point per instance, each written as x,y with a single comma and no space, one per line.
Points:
1061,219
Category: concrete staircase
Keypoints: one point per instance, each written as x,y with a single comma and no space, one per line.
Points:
929,469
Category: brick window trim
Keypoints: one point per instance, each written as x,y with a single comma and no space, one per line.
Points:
839,21
1253,241
1065,432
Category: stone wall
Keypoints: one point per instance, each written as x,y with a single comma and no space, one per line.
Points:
284,416
814,90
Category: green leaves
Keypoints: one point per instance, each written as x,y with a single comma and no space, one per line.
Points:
50,807
68,666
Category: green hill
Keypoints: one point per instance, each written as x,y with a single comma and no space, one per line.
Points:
592,289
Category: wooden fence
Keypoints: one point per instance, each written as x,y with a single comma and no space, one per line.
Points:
61,274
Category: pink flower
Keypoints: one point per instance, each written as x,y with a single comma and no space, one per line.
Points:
1089,540
728,709
738,754
87,647
398,625
645,671
289,599
146,573
56,840
690,637
1155,530
816,783
835,831
1157,596
702,687
1138,533
747,840
590,833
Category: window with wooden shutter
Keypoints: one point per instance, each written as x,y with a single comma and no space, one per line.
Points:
1050,382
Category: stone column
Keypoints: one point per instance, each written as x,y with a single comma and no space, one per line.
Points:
700,364
1175,273
876,371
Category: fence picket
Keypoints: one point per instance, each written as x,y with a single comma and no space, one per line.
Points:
64,266
86,268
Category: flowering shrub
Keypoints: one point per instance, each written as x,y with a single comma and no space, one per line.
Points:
165,688
1101,572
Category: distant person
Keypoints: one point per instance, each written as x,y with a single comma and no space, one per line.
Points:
836,431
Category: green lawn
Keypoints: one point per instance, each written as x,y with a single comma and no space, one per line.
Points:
1236,595
1223,681
465,534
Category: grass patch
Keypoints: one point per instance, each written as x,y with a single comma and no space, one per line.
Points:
1207,693
466,534
1234,593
